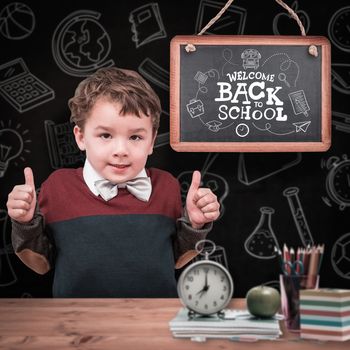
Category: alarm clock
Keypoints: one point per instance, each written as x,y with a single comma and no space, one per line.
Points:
338,29
338,181
205,287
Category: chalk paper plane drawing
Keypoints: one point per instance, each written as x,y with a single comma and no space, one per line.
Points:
155,73
146,24
301,126
80,45
340,257
22,89
232,21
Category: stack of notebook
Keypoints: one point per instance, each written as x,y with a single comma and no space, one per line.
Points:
236,325
325,314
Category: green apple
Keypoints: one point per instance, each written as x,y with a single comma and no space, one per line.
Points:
263,301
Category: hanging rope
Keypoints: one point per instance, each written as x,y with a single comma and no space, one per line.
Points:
191,47
312,48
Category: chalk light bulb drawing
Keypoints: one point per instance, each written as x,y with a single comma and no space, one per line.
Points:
11,146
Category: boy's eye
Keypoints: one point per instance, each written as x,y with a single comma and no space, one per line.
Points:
105,136
135,137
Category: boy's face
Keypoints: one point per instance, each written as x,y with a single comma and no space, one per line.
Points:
117,146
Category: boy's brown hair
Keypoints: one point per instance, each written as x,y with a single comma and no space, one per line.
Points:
124,86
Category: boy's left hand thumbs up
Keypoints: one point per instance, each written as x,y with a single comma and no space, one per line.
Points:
201,203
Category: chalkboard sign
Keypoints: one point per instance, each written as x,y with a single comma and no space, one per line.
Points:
250,94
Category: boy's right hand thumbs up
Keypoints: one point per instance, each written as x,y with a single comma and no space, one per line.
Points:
22,200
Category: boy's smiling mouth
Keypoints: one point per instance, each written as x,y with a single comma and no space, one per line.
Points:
120,166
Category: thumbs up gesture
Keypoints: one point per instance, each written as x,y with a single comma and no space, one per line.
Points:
22,200
201,203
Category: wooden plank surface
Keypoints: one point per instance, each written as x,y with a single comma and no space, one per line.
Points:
112,324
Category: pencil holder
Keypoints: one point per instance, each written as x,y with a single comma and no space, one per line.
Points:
290,286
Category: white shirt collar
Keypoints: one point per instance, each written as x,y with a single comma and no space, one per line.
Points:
90,175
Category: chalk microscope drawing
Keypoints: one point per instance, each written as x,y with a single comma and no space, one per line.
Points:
288,76
80,45
337,181
291,193
262,241
340,256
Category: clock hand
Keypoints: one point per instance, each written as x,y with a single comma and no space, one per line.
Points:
348,27
348,177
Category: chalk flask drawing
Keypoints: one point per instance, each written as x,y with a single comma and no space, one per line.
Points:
262,240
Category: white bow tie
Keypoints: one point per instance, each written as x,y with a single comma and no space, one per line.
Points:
140,187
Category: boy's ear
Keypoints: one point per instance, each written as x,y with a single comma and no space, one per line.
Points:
79,137
152,145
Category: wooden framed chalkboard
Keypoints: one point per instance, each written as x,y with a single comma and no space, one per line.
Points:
250,94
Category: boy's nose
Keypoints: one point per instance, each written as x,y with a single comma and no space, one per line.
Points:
120,148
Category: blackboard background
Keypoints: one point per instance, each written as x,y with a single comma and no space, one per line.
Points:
211,58
244,187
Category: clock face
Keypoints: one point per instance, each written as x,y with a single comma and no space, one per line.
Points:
242,130
339,29
205,287
341,181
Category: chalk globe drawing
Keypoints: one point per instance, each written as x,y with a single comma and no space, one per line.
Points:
80,45
341,256
17,21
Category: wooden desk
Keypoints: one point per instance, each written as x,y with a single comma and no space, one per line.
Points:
113,324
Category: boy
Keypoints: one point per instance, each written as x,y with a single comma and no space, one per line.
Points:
112,228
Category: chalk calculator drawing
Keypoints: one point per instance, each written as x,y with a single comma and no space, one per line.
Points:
22,89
